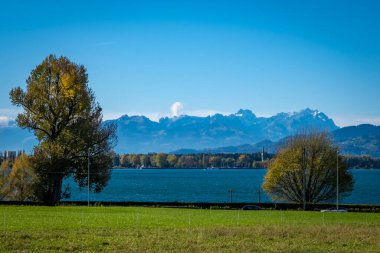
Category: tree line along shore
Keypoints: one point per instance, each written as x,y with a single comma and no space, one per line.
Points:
256,160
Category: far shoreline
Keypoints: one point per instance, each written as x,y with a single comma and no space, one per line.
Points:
233,168
189,168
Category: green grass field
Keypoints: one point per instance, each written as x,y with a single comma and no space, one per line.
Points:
143,229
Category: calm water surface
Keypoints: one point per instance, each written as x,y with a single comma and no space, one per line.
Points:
195,185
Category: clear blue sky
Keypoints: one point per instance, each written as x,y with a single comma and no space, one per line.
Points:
211,56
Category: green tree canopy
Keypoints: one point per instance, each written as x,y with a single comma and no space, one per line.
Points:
144,160
172,160
159,160
124,162
5,169
21,179
134,160
285,177
215,161
61,110
243,161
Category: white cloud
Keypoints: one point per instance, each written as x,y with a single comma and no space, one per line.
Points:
7,114
176,109
4,120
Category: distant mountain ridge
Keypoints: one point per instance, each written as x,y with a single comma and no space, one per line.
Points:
239,132
353,140
359,140
138,134
269,147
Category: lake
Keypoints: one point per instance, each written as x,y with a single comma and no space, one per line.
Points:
196,185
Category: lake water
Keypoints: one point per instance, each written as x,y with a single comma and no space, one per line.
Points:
195,185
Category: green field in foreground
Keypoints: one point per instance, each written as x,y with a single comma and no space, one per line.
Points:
143,229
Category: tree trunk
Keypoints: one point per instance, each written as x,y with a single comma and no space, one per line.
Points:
55,190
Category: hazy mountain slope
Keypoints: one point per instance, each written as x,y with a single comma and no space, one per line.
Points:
359,140
138,134
352,140
239,132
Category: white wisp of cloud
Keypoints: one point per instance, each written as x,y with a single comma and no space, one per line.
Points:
176,109
4,120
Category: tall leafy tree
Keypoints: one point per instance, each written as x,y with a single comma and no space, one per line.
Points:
134,160
186,161
124,161
215,161
159,160
307,163
5,169
243,160
172,160
144,160
61,110
21,179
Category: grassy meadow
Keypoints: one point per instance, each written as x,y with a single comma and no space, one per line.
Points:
143,229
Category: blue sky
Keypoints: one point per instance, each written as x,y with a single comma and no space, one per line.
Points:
210,56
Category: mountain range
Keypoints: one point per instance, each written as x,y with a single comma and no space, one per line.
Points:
242,131
353,140
140,134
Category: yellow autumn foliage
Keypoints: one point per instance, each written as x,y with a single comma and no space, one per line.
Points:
67,85
291,174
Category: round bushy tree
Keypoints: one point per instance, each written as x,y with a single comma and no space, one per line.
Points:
308,162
